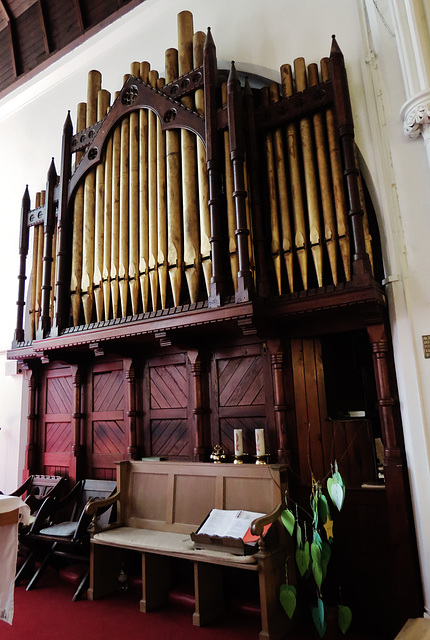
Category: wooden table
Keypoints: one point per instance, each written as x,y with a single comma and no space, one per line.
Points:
12,509
415,629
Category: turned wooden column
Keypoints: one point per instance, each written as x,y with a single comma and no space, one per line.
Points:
76,467
213,166
130,376
31,448
64,230
407,602
279,404
23,251
345,124
237,155
197,409
48,233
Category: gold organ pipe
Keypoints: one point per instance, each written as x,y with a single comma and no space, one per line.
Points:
273,201
133,268
189,165
124,199
161,209
103,101
152,197
78,221
175,253
107,227
114,269
321,144
94,86
300,239
315,231
284,208
143,196
337,180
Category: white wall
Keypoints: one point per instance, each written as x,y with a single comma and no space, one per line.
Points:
259,37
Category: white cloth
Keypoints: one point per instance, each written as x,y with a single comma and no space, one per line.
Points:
8,554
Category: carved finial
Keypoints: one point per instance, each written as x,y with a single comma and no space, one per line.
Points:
52,172
247,90
233,77
209,42
335,49
26,196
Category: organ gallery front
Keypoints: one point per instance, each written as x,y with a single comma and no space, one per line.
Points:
205,258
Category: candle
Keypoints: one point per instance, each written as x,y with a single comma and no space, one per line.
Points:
238,442
259,442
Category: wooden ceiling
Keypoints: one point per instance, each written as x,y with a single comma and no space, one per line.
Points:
34,33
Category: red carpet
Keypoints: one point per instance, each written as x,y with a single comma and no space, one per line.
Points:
48,613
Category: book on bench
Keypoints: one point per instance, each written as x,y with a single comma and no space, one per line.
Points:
229,531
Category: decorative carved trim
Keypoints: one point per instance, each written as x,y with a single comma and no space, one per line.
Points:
416,114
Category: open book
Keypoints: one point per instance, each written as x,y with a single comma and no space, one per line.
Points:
230,524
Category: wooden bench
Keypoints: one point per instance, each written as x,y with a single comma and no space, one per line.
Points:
159,504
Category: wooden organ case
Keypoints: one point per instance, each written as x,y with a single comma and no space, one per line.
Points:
198,265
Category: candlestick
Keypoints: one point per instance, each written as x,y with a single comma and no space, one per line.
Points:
260,448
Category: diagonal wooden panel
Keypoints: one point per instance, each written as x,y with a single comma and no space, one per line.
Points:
241,382
58,437
108,391
168,387
108,437
169,437
59,394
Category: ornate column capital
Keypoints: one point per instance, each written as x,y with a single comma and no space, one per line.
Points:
415,114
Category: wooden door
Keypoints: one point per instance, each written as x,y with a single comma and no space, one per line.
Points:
241,397
167,426
106,437
55,421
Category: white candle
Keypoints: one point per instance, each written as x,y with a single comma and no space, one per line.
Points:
259,442
238,442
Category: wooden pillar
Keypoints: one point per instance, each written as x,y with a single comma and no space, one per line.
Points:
197,406
76,467
237,154
31,448
48,232
263,284
213,166
130,375
23,251
280,408
407,603
64,230
345,123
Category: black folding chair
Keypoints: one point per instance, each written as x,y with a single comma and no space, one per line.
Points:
67,533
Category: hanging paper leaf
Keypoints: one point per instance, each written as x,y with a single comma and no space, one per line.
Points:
336,492
303,559
316,538
344,617
288,520
299,535
325,557
316,563
323,508
318,617
328,526
287,596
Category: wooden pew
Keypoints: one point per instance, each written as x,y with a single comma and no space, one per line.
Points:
159,504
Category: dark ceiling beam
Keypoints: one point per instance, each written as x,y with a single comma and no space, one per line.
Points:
45,27
5,10
80,15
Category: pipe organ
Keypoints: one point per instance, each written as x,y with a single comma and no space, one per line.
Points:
204,233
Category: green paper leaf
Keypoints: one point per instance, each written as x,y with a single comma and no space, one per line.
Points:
323,509
344,617
287,596
303,559
318,617
338,478
299,535
288,520
336,492
317,539
316,564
